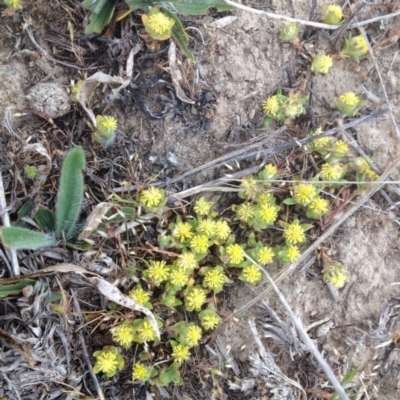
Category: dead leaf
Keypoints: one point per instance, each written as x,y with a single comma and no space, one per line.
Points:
25,349
94,219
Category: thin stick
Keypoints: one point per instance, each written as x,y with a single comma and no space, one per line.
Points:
11,253
303,334
289,269
304,22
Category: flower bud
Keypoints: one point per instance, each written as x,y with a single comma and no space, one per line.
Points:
332,15
289,31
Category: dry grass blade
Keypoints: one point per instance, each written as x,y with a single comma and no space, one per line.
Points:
94,219
303,334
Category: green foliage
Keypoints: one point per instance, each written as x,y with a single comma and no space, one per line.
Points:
289,31
7,290
102,12
45,219
70,193
23,238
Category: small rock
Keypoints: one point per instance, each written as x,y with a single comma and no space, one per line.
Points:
50,99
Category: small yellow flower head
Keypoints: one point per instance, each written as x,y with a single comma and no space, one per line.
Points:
294,233
293,253
265,255
332,15
336,274
152,197
271,106
289,31
207,227
245,212
332,172
349,103
214,280
123,334
268,213
321,64
319,206
209,319
140,372
236,254
74,91
181,353
158,25
178,277
158,271
251,274
146,331
341,147
266,198
107,362
106,127
248,183
195,299
193,336
202,207
182,231
199,244
304,193
366,169
355,47
349,98
222,230
187,261
293,110
139,295
14,4
271,169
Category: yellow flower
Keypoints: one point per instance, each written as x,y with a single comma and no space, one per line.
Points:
146,331
268,213
341,147
271,169
271,106
178,277
222,230
199,244
321,64
210,320
366,169
332,14
251,274
266,198
157,24
195,299
187,261
140,372
151,197
236,254
106,122
193,336
202,207
107,362
181,353
336,10
207,227
265,255
338,281
361,44
319,206
250,184
293,253
214,279
294,233
304,193
245,212
139,295
158,271
336,274
15,4
332,172
349,99
182,231
123,334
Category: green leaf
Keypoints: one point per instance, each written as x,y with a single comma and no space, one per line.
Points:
22,238
26,208
54,297
70,193
179,34
134,4
200,7
45,219
16,288
290,201
102,12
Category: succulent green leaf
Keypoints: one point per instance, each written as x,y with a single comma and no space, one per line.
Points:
45,219
15,288
22,238
70,193
102,12
179,34
290,201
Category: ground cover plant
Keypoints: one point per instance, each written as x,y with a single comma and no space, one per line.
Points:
119,271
